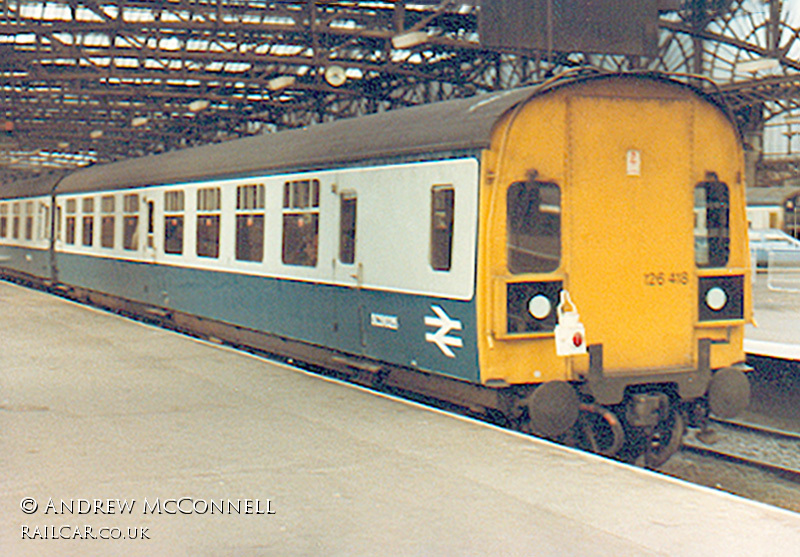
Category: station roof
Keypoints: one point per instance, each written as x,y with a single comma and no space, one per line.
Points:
99,81
769,196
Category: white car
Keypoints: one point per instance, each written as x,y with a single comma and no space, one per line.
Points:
771,240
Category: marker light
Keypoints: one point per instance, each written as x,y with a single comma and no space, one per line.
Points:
716,298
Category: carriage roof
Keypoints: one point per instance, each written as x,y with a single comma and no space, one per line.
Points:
446,126
37,186
460,125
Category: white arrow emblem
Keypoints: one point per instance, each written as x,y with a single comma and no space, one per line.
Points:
440,338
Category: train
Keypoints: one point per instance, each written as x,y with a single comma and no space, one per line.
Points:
568,258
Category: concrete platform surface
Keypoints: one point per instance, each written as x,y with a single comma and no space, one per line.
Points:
125,429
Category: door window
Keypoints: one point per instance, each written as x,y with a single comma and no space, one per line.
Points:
442,209
347,228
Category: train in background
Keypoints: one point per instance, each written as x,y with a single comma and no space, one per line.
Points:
570,257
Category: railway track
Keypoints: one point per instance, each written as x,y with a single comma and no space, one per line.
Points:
754,446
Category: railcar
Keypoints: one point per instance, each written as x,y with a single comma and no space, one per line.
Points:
25,229
571,256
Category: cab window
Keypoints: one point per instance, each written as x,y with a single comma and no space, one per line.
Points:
711,229
534,227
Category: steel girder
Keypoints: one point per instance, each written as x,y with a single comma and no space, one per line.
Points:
95,80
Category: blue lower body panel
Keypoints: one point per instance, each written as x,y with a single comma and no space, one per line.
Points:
30,261
427,333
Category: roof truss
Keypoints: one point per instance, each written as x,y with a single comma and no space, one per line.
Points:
86,81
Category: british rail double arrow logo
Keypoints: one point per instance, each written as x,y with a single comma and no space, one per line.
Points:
441,337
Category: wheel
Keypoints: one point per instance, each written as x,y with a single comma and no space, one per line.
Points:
599,430
665,440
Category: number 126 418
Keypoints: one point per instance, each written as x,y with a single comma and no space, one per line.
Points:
664,279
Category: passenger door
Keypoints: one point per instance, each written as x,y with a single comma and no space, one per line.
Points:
348,274
148,228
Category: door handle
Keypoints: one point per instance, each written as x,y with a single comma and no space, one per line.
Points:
359,274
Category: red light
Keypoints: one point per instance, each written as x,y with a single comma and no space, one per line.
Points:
577,339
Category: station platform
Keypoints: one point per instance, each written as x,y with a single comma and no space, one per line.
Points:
776,332
133,431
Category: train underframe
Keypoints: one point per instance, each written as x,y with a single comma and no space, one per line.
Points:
639,419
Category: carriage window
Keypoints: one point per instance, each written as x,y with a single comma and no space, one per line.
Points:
15,221
711,230
88,221
534,227
173,222
300,222
3,220
442,205
44,222
250,222
130,222
208,215
107,221
347,228
72,208
29,220
59,210
151,218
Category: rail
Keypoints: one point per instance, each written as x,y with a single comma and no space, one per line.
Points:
755,446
